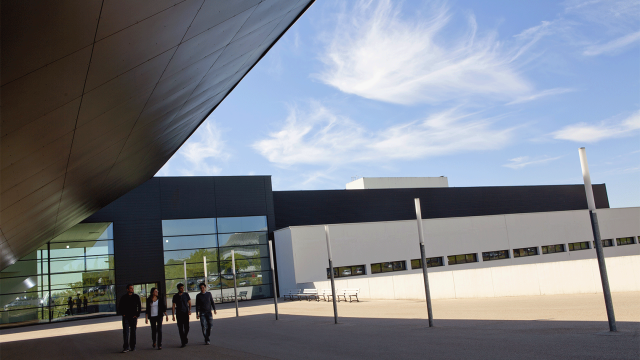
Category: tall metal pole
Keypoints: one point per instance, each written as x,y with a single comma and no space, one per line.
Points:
206,281
333,284
233,271
273,275
423,260
596,237
185,275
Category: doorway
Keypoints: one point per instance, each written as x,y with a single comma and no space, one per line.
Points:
143,290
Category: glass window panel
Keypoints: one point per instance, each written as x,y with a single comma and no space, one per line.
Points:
22,269
189,227
376,268
74,249
253,278
357,270
193,270
241,239
100,262
460,259
344,271
387,266
451,259
432,262
190,242
107,234
82,279
246,265
67,265
624,241
399,265
242,224
190,256
244,252
416,264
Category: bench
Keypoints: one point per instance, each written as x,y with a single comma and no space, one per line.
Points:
291,294
348,292
326,294
309,294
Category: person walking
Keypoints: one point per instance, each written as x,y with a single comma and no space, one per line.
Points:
155,308
130,309
204,305
85,303
181,309
70,304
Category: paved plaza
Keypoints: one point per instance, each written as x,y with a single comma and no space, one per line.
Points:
534,327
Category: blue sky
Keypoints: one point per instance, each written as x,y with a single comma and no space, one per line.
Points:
486,93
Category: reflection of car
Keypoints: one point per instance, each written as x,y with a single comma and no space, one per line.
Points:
243,275
227,276
16,304
346,272
212,278
243,283
359,270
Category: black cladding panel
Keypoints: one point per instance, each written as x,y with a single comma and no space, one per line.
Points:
297,208
240,196
188,197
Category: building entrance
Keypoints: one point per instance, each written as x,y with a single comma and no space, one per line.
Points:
144,291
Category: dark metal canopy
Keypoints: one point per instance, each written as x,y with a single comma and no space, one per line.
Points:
97,96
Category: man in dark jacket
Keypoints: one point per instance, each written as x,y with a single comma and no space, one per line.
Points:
129,308
182,310
204,305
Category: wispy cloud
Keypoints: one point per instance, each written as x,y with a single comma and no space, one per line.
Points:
617,22
535,96
590,133
523,161
613,46
378,54
203,153
321,137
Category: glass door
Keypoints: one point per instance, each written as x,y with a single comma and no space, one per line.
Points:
144,290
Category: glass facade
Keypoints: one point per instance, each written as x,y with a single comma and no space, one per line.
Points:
550,249
71,276
199,250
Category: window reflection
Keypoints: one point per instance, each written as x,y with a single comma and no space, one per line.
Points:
190,242
189,227
242,224
81,262
240,239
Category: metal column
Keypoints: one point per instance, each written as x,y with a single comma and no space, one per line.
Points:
596,237
423,260
333,285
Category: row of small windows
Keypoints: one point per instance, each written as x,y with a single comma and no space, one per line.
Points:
390,266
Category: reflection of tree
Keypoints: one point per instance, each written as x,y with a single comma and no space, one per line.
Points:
242,264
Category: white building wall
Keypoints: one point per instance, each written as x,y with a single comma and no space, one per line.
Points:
398,183
567,272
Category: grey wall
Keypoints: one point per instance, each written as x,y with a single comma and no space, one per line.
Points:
137,217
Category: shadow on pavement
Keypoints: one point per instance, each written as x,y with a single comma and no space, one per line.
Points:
309,337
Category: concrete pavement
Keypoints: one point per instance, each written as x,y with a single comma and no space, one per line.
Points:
534,327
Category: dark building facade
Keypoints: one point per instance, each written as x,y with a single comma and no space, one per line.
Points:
138,220
296,208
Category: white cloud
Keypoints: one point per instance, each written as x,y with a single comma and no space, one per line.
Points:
540,94
590,133
203,153
377,54
523,161
613,46
617,22
321,137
